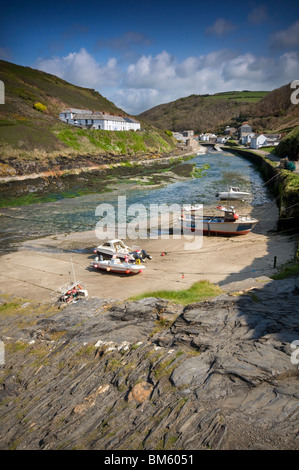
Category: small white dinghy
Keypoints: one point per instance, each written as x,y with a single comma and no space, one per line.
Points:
115,265
232,193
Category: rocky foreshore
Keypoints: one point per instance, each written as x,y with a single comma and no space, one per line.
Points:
149,374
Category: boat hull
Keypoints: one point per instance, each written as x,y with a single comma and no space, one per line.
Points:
226,196
217,226
233,193
108,255
122,268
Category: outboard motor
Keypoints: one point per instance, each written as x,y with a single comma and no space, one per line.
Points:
144,255
141,256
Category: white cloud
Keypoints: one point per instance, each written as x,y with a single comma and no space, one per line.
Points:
153,80
220,27
151,72
258,15
81,69
147,85
287,37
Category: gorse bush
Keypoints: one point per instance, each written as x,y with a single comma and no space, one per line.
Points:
40,107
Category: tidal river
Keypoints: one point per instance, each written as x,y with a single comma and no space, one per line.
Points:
219,170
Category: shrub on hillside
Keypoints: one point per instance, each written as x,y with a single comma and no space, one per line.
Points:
40,107
289,146
232,143
169,133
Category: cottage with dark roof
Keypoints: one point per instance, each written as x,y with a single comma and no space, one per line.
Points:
244,130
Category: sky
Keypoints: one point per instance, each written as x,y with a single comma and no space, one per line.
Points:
142,54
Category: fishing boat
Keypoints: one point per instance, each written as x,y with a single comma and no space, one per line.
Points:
232,193
228,224
115,265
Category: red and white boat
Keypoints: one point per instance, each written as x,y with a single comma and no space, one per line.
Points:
228,224
115,265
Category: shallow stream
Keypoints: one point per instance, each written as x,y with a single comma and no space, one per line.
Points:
219,171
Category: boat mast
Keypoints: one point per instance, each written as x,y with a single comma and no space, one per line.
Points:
73,270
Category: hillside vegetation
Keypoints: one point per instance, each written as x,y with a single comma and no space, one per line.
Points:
265,111
289,145
30,127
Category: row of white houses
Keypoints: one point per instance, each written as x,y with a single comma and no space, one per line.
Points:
98,120
255,141
246,137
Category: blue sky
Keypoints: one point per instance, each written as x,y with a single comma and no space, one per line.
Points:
141,54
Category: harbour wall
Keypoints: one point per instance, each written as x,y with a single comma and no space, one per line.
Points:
283,184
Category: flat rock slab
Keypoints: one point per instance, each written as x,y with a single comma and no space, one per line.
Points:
149,374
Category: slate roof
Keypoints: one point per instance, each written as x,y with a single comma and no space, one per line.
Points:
97,115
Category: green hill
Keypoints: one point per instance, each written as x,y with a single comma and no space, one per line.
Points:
265,111
31,132
30,127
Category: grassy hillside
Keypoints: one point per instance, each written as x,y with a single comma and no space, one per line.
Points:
27,132
266,111
202,112
30,129
289,145
275,111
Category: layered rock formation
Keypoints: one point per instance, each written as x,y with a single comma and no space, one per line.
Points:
150,375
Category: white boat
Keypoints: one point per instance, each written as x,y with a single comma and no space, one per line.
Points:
111,247
228,224
232,193
115,265
196,207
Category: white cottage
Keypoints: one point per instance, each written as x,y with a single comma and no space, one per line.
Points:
246,139
258,140
67,115
208,137
244,130
97,120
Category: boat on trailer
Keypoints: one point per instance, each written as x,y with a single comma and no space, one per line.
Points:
228,224
115,265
